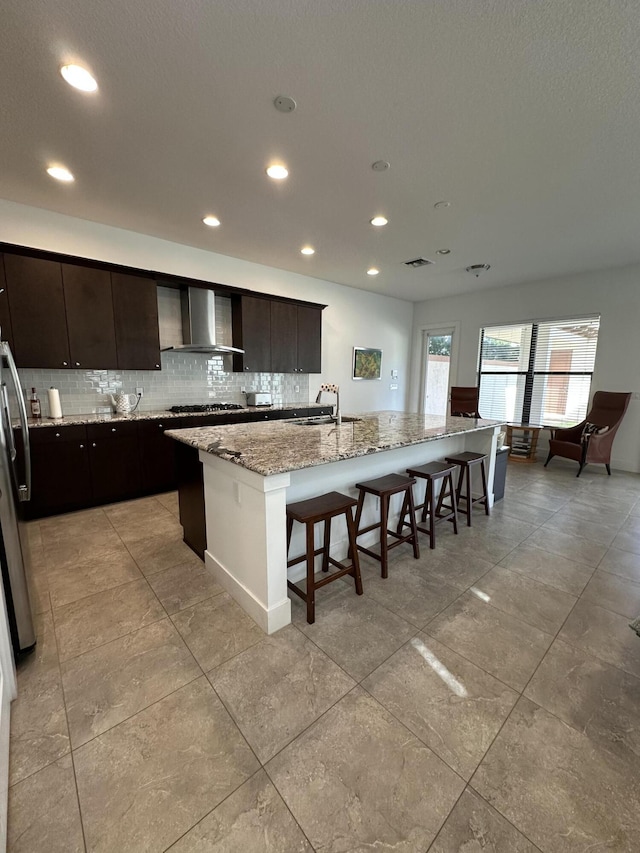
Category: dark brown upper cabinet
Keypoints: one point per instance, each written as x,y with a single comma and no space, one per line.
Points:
251,319
135,310
296,338
309,339
38,318
5,316
90,323
284,337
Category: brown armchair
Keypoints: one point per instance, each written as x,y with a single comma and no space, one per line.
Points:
464,402
594,443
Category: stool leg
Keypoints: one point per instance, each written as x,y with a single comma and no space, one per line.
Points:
403,514
449,478
414,528
327,542
484,487
357,525
384,523
432,515
425,505
289,530
311,589
351,532
459,485
469,495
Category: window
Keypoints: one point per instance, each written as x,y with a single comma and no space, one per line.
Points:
538,373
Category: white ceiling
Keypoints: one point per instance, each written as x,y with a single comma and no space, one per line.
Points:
524,114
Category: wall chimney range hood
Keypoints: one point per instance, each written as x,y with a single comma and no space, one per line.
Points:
199,323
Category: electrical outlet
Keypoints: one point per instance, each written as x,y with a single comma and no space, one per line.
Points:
140,392
243,390
394,374
296,389
393,387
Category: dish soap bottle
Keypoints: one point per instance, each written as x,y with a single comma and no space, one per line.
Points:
34,403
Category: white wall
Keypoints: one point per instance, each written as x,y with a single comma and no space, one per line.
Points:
353,317
613,293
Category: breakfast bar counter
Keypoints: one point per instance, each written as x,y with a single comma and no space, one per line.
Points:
251,472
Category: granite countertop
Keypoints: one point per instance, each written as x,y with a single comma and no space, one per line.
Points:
276,447
112,417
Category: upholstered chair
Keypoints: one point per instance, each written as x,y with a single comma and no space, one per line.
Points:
592,439
464,402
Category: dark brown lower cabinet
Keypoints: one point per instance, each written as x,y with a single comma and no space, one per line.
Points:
61,479
113,461
81,466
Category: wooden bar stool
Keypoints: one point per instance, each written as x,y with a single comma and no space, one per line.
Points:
310,513
433,472
384,488
467,461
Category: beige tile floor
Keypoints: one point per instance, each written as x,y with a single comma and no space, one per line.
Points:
484,698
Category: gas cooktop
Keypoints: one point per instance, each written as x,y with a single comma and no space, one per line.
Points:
206,407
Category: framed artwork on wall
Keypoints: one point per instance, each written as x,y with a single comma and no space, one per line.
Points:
367,363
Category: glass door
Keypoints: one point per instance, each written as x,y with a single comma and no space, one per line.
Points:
437,354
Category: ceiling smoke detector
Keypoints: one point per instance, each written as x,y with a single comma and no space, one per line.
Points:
418,262
284,104
476,269
380,165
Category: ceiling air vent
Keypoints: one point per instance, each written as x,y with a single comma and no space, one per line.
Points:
418,262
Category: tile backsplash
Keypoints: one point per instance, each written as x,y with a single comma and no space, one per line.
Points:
185,378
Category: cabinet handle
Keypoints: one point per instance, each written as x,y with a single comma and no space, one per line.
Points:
82,447
65,364
77,364
94,444
157,365
57,435
246,368
113,429
160,426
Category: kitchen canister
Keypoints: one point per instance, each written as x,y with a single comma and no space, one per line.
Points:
55,409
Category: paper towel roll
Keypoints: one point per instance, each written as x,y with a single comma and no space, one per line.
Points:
55,409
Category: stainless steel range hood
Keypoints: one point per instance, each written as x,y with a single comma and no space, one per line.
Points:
199,323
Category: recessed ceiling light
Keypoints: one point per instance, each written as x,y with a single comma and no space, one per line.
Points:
211,221
379,220
439,205
372,271
60,173
443,251
308,250
380,165
79,78
277,172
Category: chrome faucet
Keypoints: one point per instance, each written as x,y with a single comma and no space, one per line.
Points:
333,389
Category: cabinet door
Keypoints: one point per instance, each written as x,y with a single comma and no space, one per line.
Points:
5,317
284,337
252,332
115,468
135,310
309,330
157,455
60,477
89,306
38,319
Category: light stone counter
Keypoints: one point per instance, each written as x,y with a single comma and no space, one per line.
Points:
112,417
251,472
278,447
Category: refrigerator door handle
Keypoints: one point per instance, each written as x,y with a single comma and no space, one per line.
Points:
24,490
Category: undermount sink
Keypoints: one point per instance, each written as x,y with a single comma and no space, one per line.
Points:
327,419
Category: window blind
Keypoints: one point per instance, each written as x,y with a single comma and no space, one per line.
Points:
538,373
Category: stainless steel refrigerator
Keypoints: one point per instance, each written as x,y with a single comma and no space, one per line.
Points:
15,491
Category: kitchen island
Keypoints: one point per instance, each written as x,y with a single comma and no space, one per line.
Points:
251,471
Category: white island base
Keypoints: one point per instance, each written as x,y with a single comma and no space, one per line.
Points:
246,518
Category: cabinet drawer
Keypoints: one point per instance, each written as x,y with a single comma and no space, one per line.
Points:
57,435
111,430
